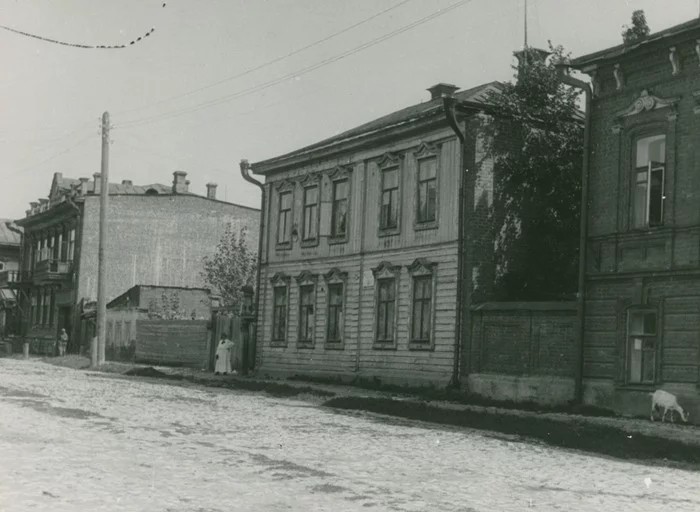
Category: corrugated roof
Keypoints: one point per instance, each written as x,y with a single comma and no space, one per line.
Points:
477,94
7,236
622,49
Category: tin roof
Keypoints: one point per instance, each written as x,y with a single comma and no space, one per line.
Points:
7,236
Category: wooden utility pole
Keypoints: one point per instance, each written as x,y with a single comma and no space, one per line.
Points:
99,350
525,16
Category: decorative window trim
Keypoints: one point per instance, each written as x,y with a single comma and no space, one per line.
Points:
341,173
647,102
386,271
307,183
305,279
387,162
2,265
655,306
279,280
335,276
426,151
285,186
422,268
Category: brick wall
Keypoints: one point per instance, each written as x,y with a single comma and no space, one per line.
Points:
173,342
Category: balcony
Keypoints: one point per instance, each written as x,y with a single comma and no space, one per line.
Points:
11,278
52,270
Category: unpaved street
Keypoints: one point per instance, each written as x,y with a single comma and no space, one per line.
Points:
79,441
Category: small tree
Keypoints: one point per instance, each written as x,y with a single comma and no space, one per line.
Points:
232,267
535,140
639,29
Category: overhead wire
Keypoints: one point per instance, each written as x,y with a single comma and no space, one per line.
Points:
53,157
175,113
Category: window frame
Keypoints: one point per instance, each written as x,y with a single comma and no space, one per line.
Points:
636,171
306,280
657,338
385,272
422,268
283,188
279,281
335,237
335,277
424,153
310,181
390,162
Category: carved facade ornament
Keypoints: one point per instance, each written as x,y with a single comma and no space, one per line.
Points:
426,149
306,278
696,97
619,76
284,185
280,279
675,60
421,267
390,160
310,179
697,49
648,102
386,270
340,172
617,128
595,83
335,275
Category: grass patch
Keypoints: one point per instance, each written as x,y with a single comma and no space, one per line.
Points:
580,435
275,389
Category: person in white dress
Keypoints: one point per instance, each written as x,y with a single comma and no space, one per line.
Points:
223,357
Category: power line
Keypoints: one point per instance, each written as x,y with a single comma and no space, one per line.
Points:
175,113
79,45
67,150
270,62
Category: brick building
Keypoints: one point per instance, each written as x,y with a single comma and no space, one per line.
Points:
10,236
372,245
156,234
642,307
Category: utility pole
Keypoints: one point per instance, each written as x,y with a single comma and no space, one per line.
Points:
525,16
99,342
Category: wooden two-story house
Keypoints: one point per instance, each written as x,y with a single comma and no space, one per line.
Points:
642,296
366,265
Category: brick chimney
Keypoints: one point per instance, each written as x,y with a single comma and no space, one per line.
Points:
436,91
127,182
211,190
84,185
97,189
529,56
180,184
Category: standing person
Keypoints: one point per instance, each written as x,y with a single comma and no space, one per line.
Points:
223,356
62,343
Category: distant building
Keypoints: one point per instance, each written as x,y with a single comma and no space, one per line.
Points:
10,237
156,234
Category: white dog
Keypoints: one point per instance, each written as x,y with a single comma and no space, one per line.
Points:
668,402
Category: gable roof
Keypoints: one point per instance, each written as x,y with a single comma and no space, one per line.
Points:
406,115
7,236
683,29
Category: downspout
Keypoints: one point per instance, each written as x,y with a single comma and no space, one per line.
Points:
448,106
586,88
245,172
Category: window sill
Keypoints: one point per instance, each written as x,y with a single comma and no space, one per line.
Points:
334,345
422,226
384,345
421,346
278,343
335,240
637,387
305,344
313,242
388,232
286,246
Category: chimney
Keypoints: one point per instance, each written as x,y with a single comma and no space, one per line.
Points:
127,182
84,186
529,56
34,205
436,91
97,189
180,184
211,190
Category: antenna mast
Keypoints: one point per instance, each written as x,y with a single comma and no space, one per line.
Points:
525,16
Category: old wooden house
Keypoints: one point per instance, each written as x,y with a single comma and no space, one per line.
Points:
642,306
369,248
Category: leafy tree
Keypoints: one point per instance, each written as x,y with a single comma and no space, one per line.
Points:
639,29
535,140
231,268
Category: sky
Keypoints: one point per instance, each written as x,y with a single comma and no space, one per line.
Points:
222,80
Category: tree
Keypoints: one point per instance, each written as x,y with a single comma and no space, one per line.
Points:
232,267
535,140
639,29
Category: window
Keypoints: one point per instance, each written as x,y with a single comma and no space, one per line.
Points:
71,245
641,347
335,312
284,222
422,302
45,299
389,218
310,227
2,265
649,181
386,303
52,307
279,311
306,314
427,190
340,209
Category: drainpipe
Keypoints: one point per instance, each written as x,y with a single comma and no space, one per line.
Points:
448,107
245,172
563,70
